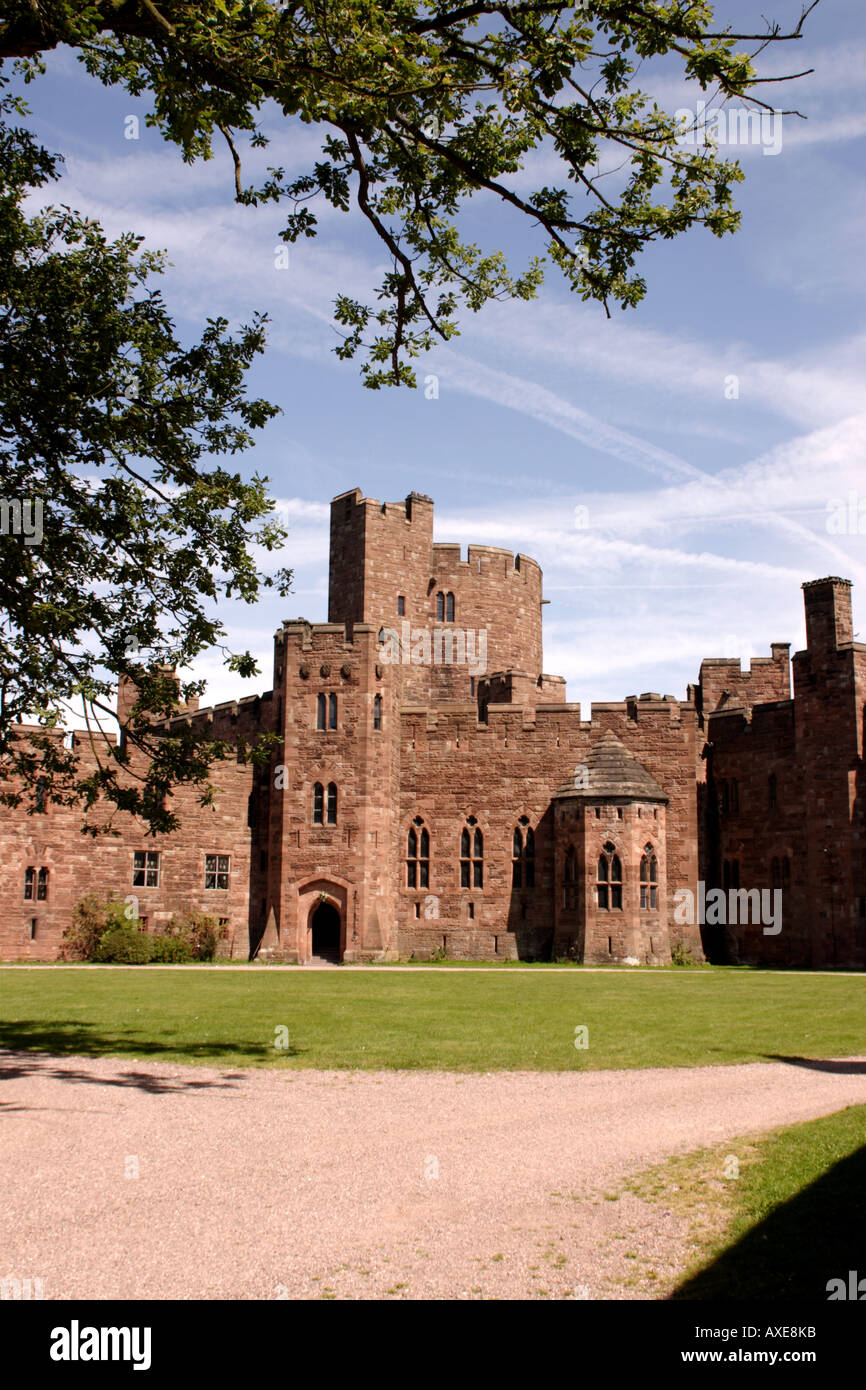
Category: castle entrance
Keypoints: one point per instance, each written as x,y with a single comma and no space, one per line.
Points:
327,933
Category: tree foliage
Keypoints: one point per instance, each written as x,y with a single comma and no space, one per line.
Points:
121,530
114,428
424,106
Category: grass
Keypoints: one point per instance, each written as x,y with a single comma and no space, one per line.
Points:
791,1221
456,1021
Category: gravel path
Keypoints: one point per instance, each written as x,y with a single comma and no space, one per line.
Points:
264,1184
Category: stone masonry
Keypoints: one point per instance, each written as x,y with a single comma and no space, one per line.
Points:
435,794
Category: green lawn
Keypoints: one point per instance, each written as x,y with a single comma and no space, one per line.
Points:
792,1221
458,1021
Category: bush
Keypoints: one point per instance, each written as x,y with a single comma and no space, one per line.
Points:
91,919
169,950
124,945
682,955
199,932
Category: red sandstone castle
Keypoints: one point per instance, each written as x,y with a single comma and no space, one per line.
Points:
435,793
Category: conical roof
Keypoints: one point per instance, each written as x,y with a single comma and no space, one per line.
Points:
609,769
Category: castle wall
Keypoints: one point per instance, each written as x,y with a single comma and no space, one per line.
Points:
78,864
762,788
355,853
384,552
526,754
812,815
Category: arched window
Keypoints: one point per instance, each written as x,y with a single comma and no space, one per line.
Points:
517,859
440,607
471,855
649,879
318,804
42,885
772,791
29,884
609,878
332,711
523,855
332,803
449,608
377,712
569,894
418,856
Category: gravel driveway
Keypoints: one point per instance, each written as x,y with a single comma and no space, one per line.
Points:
140,1180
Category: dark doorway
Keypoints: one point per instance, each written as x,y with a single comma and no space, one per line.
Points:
326,933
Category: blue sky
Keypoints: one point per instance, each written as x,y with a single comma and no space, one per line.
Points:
705,511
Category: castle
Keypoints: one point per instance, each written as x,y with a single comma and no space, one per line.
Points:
434,793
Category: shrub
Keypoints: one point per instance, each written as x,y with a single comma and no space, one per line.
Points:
125,945
200,932
682,955
91,919
169,950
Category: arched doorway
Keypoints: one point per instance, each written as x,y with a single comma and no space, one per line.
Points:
326,932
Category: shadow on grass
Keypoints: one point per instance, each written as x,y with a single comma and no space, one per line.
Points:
799,1247
842,1068
24,1044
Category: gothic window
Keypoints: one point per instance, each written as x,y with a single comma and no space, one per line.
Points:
318,804
332,803
42,885
418,856
29,884
320,712
377,712
145,868
772,791
332,711
471,855
440,607
523,855
570,888
609,878
216,871
449,608
649,879
517,860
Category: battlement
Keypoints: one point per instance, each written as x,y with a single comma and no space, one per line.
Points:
723,681
247,717
492,560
